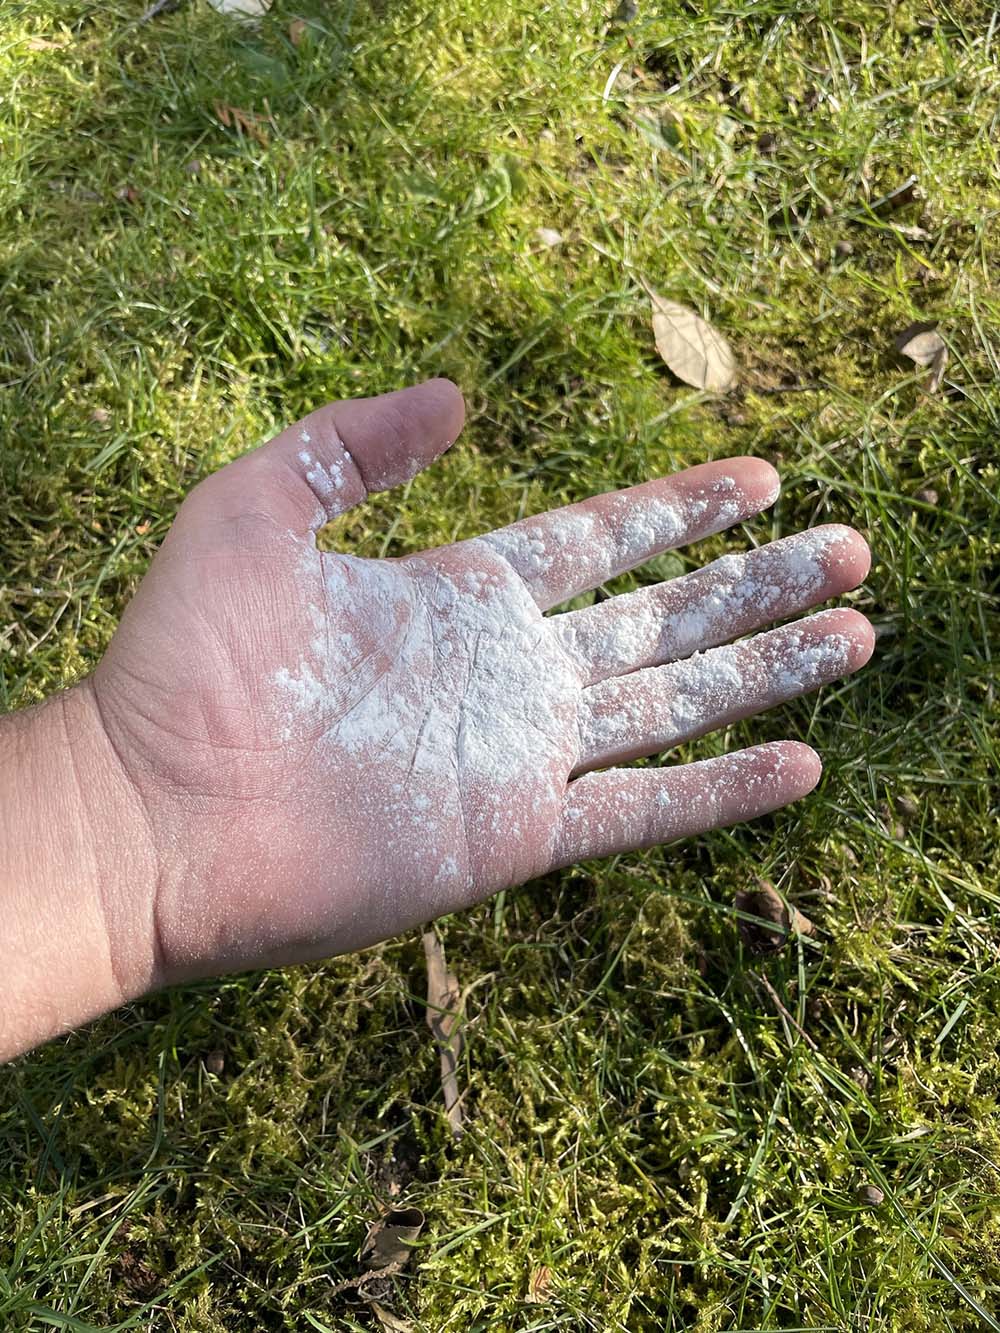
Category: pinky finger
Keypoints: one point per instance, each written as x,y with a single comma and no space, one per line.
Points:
623,809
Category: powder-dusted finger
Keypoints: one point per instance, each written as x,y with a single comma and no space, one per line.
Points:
625,809
566,551
627,716
722,601
335,457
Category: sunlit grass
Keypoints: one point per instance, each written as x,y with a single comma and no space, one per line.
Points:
678,1130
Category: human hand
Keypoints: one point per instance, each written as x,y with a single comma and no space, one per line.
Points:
329,750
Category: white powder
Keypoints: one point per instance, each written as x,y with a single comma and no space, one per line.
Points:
523,548
435,687
569,550
732,595
655,709
649,526
451,684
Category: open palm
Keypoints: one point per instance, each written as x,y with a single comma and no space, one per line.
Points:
330,749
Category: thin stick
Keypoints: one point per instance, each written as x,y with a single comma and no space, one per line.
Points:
444,1018
782,1010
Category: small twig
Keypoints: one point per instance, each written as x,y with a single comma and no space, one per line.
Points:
445,1003
784,1012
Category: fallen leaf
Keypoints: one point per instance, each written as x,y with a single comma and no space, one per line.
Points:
241,9
911,233
766,904
387,1248
43,44
925,347
389,1320
246,122
296,31
549,237
920,342
539,1285
444,1018
696,353
389,1242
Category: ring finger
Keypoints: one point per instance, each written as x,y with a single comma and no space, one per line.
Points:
723,601
652,710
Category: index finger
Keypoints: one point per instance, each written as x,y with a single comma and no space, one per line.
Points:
566,551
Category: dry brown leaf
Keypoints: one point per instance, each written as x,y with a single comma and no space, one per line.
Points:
911,233
390,1239
696,353
43,44
296,31
870,1196
386,1250
765,903
548,236
246,122
242,9
389,1320
444,1018
539,1285
925,347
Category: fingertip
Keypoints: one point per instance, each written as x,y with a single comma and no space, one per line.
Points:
394,436
758,478
780,772
848,555
861,553
448,403
798,764
852,626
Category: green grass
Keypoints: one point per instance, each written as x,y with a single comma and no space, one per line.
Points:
681,1143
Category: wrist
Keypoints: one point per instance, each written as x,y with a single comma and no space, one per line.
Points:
77,873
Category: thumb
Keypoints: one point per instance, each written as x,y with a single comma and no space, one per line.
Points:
339,454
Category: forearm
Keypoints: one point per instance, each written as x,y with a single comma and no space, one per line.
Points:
76,869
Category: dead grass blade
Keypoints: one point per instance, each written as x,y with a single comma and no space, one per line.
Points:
244,122
445,1004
